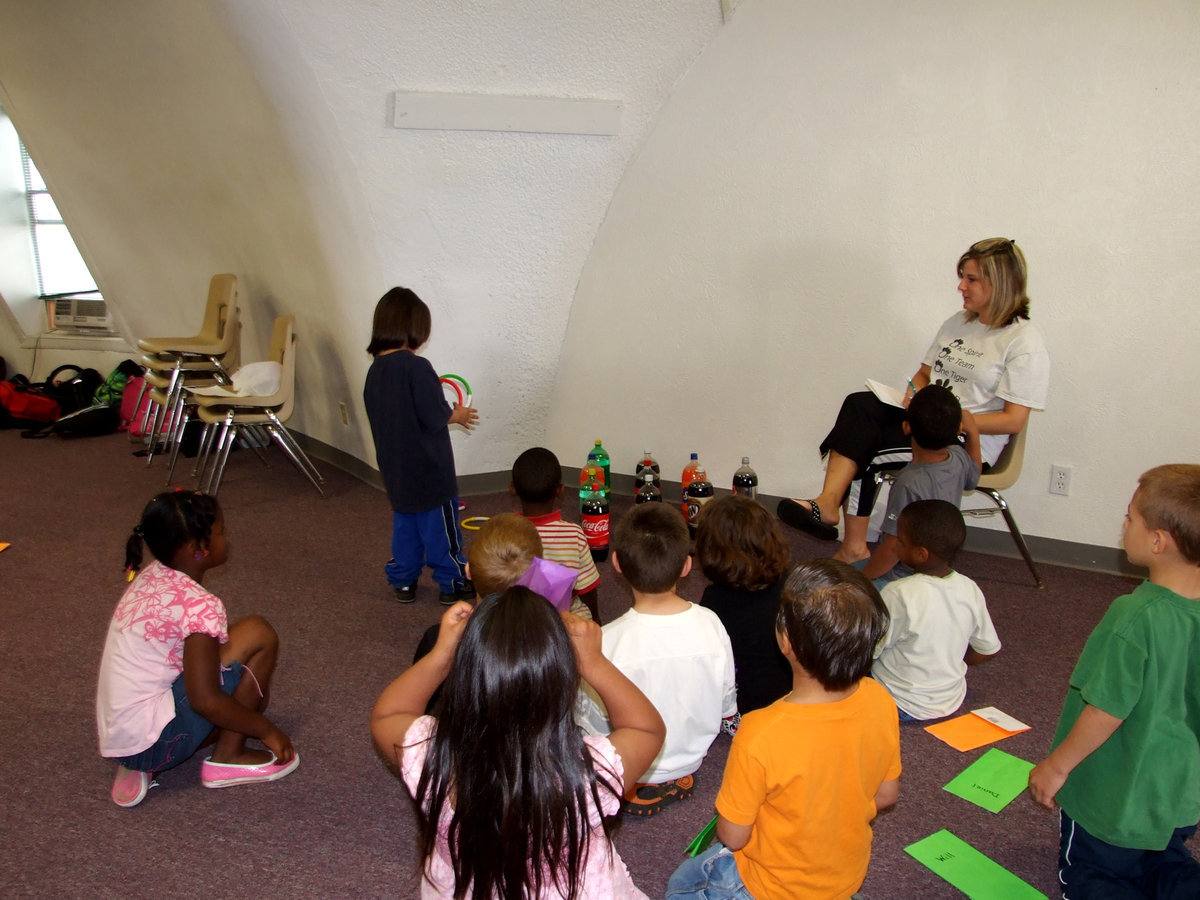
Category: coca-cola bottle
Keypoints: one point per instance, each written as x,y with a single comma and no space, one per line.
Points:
594,515
648,492
647,463
745,480
689,472
698,492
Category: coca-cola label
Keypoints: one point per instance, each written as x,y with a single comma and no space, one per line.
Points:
596,530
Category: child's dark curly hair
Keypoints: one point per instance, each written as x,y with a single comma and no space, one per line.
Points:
168,522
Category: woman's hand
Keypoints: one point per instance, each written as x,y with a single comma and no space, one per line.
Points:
466,416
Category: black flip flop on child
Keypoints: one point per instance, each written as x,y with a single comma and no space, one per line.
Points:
807,519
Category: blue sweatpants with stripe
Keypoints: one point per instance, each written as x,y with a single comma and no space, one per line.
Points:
431,538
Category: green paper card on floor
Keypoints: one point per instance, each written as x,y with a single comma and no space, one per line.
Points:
980,878
993,781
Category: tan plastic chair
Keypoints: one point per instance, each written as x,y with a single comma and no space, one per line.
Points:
1001,477
213,351
226,418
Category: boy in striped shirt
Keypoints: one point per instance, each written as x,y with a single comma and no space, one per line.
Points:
537,482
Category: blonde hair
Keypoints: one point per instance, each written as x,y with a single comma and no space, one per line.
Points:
1002,265
501,552
1168,497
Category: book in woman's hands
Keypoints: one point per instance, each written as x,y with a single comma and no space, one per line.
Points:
886,393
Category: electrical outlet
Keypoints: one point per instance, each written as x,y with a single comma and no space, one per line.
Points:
1060,480
344,413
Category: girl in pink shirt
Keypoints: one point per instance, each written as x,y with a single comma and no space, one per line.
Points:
512,799
175,676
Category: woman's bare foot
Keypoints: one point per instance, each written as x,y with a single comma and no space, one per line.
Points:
807,516
848,554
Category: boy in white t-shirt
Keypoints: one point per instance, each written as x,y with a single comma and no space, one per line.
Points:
676,652
939,618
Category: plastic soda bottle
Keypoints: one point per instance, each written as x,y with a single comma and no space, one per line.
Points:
689,472
605,463
745,480
699,491
595,519
648,464
649,491
589,474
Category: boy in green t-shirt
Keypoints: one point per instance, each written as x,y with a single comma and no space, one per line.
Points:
1125,768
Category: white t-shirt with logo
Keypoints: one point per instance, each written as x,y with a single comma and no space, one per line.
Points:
985,367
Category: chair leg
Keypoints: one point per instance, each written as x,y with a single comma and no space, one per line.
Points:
177,439
1017,537
296,453
224,445
206,442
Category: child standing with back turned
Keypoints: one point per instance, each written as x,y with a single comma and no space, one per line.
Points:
807,774
512,800
175,676
410,422
1125,768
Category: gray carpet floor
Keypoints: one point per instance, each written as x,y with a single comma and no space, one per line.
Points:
342,825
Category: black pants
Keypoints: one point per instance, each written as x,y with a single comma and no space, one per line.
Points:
1091,869
869,432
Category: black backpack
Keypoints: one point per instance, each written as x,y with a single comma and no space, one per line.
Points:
74,388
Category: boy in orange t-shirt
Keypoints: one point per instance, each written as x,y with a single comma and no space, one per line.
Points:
807,774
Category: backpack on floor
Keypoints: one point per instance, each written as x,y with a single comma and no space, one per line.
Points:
74,388
23,405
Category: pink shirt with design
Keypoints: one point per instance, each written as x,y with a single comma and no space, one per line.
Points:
605,876
143,655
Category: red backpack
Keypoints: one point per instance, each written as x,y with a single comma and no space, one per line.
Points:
22,405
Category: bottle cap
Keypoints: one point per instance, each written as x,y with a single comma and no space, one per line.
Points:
745,460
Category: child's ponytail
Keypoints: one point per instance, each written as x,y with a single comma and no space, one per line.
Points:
133,552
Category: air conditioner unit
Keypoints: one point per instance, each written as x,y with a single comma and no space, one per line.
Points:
80,314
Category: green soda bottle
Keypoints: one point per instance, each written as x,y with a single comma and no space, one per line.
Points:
602,459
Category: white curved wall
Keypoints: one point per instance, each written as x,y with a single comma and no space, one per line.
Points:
716,276
792,223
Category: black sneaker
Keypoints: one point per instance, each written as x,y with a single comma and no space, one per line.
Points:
406,594
463,590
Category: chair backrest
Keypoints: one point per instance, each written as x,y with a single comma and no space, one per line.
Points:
220,314
1007,470
283,345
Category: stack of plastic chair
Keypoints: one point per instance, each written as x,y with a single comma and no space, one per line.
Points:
171,362
254,419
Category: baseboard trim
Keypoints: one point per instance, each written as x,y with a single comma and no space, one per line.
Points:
994,542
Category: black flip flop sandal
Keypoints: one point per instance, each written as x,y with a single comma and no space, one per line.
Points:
807,519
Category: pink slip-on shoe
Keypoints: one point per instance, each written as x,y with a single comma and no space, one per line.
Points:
219,775
129,787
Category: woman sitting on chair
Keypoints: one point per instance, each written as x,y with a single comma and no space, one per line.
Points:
990,355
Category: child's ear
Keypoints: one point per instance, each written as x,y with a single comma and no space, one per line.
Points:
467,570
921,555
616,563
785,646
907,430
687,567
558,492
512,489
